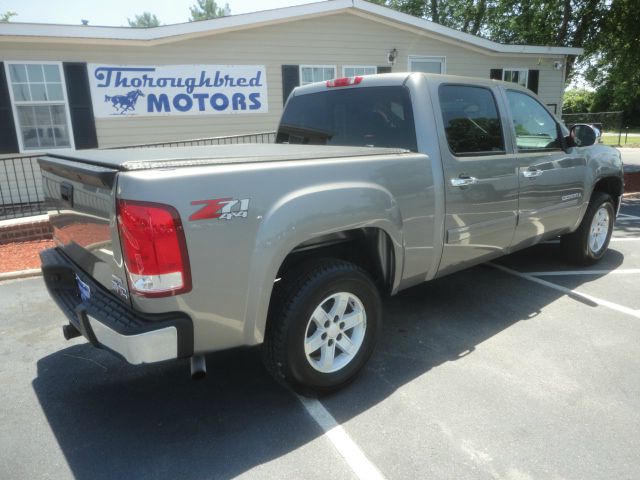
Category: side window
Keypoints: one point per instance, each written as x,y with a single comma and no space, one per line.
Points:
471,121
535,128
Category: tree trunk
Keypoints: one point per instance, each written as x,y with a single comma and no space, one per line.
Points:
564,26
479,18
434,11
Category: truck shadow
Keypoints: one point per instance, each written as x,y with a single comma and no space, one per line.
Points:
113,420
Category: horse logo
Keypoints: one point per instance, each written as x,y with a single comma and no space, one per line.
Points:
124,103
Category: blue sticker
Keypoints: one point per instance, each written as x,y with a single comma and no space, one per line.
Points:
85,291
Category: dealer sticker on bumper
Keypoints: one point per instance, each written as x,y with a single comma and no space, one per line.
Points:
83,288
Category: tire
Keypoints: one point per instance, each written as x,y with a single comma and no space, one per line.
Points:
329,304
588,244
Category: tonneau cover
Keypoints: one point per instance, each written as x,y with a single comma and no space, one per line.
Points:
129,159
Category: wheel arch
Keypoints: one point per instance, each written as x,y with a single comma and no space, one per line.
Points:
614,186
315,222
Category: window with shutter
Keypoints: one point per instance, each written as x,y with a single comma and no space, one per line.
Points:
40,107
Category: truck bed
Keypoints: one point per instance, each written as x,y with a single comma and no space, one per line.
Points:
130,159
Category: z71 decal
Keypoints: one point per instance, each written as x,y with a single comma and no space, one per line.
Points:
223,208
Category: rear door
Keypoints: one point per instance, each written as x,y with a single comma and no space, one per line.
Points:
551,180
481,184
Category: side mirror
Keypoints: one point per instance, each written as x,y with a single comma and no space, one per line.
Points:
583,135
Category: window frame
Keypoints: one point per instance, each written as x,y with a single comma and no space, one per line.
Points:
433,58
374,67
15,105
492,91
334,67
559,132
517,69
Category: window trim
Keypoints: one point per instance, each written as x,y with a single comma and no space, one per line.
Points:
518,69
374,67
442,59
492,91
334,67
512,127
14,106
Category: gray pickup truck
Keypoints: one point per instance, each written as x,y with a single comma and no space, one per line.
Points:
375,184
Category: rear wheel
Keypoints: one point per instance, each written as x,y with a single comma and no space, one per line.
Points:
322,326
590,241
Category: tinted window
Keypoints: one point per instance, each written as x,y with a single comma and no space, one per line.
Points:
535,128
471,120
375,116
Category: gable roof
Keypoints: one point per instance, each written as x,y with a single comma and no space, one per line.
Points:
88,34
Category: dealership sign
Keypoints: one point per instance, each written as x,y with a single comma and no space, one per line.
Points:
124,90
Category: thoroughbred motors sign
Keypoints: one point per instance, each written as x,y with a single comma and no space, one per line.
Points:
124,90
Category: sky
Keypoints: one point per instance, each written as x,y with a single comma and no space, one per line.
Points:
116,12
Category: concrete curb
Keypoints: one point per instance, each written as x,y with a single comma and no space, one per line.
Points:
34,272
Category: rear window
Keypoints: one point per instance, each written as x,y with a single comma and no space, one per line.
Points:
471,120
374,116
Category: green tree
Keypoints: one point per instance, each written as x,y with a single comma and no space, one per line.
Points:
578,100
6,17
204,10
569,23
146,20
613,66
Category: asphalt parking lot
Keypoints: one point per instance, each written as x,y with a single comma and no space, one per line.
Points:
524,369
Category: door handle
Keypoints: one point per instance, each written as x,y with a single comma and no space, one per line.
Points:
463,181
532,173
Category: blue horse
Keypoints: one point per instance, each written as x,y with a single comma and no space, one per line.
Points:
124,103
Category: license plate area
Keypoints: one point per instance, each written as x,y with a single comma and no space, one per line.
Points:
83,289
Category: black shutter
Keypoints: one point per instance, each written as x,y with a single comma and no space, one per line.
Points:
495,74
384,69
290,80
532,82
82,120
8,137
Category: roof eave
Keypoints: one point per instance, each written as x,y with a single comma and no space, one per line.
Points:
30,32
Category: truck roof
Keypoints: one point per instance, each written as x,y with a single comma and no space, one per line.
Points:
128,159
400,78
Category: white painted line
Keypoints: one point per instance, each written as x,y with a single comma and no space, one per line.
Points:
571,293
346,447
620,271
627,217
625,239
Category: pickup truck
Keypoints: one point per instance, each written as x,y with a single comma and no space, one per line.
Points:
375,184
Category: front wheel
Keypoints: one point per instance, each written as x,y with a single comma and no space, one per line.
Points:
590,241
322,326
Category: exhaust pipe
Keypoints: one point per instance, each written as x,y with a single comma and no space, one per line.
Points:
198,367
69,332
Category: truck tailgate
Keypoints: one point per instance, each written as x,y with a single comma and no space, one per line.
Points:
82,209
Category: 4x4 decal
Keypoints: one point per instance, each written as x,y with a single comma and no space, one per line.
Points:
223,208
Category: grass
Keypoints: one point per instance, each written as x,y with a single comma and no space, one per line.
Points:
612,139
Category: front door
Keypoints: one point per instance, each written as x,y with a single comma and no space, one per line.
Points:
481,184
551,180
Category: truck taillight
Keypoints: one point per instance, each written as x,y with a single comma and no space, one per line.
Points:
344,82
153,248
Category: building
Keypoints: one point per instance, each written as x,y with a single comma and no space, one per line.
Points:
83,86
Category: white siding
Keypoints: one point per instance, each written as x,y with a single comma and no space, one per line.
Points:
337,39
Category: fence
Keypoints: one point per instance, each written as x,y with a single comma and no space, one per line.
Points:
21,193
608,122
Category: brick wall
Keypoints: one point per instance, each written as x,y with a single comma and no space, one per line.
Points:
27,230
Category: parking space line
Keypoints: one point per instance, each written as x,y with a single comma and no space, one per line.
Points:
630,217
569,292
625,239
620,271
346,447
